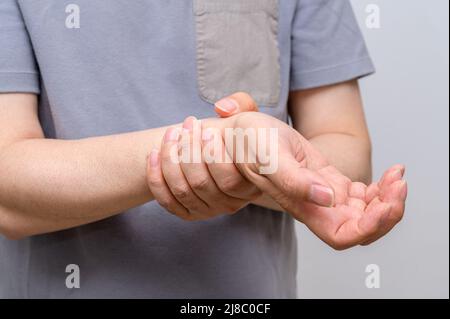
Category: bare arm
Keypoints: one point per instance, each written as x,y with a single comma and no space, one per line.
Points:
332,119
317,180
48,185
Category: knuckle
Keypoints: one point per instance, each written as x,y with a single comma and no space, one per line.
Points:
166,157
247,100
200,184
347,181
181,192
229,184
154,183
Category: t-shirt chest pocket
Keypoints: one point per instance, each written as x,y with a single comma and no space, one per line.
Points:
237,49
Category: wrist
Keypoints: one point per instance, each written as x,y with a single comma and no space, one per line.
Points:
219,123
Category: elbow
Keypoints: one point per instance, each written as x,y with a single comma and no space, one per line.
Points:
9,228
12,233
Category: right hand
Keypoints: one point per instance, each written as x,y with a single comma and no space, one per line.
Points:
195,190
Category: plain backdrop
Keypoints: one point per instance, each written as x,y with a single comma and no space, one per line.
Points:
407,107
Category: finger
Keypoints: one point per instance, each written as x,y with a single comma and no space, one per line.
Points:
392,175
357,203
357,231
372,191
198,176
340,183
193,168
174,176
357,195
300,183
372,220
159,188
236,103
396,197
396,192
358,190
222,169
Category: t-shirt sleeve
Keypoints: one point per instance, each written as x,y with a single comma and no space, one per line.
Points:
327,45
18,69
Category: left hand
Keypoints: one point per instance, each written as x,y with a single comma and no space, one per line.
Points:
340,212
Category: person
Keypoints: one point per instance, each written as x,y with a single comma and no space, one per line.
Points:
93,100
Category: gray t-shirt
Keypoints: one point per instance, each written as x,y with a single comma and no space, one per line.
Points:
106,67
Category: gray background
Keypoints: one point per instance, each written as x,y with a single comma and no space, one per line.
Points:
407,105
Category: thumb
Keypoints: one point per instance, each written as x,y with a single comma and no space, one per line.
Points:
234,104
295,183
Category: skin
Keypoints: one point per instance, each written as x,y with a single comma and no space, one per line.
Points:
359,215
196,191
359,212
48,185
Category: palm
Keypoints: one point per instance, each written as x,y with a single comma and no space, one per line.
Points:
361,213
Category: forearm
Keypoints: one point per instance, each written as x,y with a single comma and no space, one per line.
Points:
332,119
49,185
348,153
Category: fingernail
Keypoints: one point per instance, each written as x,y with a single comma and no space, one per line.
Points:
322,195
188,124
154,158
404,193
227,105
172,135
398,174
207,135
403,170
